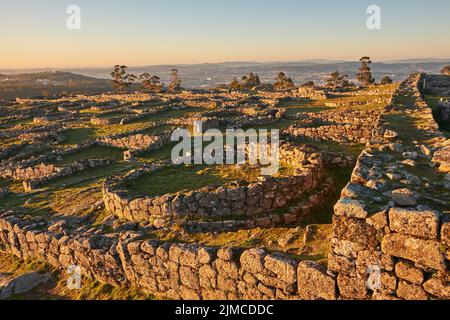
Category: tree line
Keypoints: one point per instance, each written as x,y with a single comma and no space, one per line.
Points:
123,81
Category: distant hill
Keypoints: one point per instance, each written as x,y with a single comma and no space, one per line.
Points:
213,74
55,76
49,83
15,83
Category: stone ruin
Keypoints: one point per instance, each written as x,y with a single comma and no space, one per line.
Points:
338,126
243,200
35,177
390,238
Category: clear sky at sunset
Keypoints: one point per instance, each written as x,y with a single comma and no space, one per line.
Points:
148,32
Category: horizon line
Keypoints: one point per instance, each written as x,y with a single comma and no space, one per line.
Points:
311,60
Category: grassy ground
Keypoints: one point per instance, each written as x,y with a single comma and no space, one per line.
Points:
407,125
94,152
77,136
57,288
189,177
173,114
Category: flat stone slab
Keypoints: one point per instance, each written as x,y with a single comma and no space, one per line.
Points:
424,224
426,252
22,284
314,283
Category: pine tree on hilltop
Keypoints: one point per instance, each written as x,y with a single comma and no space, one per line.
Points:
235,85
250,81
337,80
175,83
151,83
364,76
120,78
283,83
131,79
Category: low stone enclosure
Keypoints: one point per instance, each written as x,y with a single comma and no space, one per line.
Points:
243,200
37,171
35,177
391,230
135,144
340,126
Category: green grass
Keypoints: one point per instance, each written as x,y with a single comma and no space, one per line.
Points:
293,107
188,177
324,214
330,146
115,114
114,129
78,135
93,152
84,178
406,125
157,130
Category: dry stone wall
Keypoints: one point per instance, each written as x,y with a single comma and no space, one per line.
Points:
137,142
250,199
348,126
400,246
313,93
296,212
34,177
167,270
403,243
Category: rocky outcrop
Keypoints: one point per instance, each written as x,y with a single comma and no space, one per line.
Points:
21,284
312,93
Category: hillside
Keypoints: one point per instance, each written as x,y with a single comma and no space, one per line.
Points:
49,83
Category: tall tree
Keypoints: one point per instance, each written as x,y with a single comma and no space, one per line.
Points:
175,81
250,81
283,83
235,85
364,76
131,79
151,83
120,78
337,80
446,71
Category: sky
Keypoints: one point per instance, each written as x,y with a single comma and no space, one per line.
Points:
34,33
